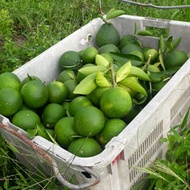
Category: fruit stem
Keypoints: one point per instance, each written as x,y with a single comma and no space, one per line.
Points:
150,86
100,7
147,63
112,75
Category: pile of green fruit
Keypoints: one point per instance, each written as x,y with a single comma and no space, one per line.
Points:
99,90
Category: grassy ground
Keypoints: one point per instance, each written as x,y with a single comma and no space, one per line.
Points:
27,28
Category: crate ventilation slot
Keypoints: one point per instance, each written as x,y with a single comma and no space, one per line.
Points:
179,108
146,151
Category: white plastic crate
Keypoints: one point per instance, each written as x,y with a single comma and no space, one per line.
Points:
139,143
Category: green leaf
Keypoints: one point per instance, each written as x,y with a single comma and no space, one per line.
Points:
176,42
52,139
123,72
185,119
134,84
101,80
87,70
159,183
139,73
123,58
14,149
112,13
168,44
145,33
181,149
101,61
87,85
163,140
45,134
135,28
21,176
177,136
139,99
161,44
32,132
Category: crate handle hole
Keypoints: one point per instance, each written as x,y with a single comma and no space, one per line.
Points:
87,40
87,175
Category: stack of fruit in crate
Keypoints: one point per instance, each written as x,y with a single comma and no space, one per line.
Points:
99,90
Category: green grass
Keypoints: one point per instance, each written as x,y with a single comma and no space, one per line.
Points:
29,27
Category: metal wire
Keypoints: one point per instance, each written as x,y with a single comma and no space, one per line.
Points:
156,6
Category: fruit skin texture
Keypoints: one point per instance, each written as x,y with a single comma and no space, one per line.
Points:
10,101
175,58
108,48
129,39
70,60
52,113
84,147
26,119
89,54
96,95
29,78
77,103
111,129
35,94
107,34
57,92
10,80
88,121
64,131
115,102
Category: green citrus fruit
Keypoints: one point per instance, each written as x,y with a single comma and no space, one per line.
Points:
89,54
10,80
77,103
84,147
66,106
108,48
88,121
52,113
111,129
66,75
157,86
115,102
96,95
130,48
152,53
70,60
64,131
57,92
10,101
107,34
26,119
71,84
175,58
29,78
129,39
81,52
35,94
